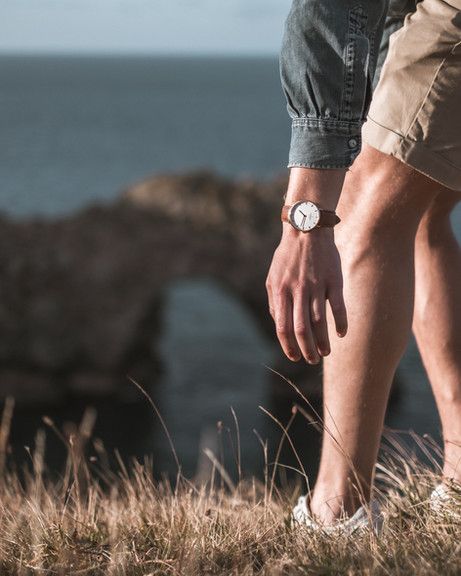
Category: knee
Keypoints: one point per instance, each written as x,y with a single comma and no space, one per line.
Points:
383,200
362,242
374,229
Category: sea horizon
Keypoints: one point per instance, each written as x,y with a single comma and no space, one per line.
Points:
77,129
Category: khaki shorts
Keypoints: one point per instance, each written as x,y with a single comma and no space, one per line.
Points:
415,112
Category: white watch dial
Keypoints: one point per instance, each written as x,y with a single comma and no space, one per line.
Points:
304,216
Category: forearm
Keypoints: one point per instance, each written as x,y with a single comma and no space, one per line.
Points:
321,186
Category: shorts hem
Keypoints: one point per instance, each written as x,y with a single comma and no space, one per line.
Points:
413,153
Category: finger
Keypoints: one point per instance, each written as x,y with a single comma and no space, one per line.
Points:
336,300
302,327
283,312
319,325
270,299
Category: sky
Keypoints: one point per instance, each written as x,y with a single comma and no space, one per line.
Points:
143,26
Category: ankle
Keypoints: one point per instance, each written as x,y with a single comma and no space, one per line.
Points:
452,462
329,504
451,474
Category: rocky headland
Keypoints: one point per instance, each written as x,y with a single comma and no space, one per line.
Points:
81,296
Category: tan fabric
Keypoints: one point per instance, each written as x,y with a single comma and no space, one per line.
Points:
415,113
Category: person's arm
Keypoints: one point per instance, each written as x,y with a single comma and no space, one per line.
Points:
326,63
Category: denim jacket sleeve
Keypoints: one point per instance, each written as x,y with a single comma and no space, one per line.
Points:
327,62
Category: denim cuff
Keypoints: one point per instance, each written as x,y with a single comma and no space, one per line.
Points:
324,143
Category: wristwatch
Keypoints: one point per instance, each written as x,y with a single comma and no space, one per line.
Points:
305,216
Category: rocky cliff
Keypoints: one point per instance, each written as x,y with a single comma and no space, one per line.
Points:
81,296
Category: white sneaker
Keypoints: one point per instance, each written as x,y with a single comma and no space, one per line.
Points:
365,518
446,500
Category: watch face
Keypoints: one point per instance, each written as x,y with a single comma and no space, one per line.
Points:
304,216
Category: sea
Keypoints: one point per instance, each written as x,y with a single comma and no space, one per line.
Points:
76,131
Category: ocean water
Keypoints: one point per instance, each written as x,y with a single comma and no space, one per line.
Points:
78,130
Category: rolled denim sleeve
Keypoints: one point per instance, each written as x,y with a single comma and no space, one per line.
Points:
327,63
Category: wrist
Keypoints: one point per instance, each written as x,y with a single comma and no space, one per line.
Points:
321,186
292,235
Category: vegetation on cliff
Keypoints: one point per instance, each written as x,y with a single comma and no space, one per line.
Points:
94,520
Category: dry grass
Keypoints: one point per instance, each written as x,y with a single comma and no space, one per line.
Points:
95,521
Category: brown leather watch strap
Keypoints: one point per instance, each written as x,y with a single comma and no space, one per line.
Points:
285,211
328,219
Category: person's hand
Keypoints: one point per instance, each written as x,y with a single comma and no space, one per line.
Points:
304,274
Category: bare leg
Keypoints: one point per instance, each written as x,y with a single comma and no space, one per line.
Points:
381,206
437,320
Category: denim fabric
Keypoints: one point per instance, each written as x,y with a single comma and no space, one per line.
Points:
327,63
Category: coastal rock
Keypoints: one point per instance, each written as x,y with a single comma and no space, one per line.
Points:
82,295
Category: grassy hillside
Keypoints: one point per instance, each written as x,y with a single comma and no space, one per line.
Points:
96,521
